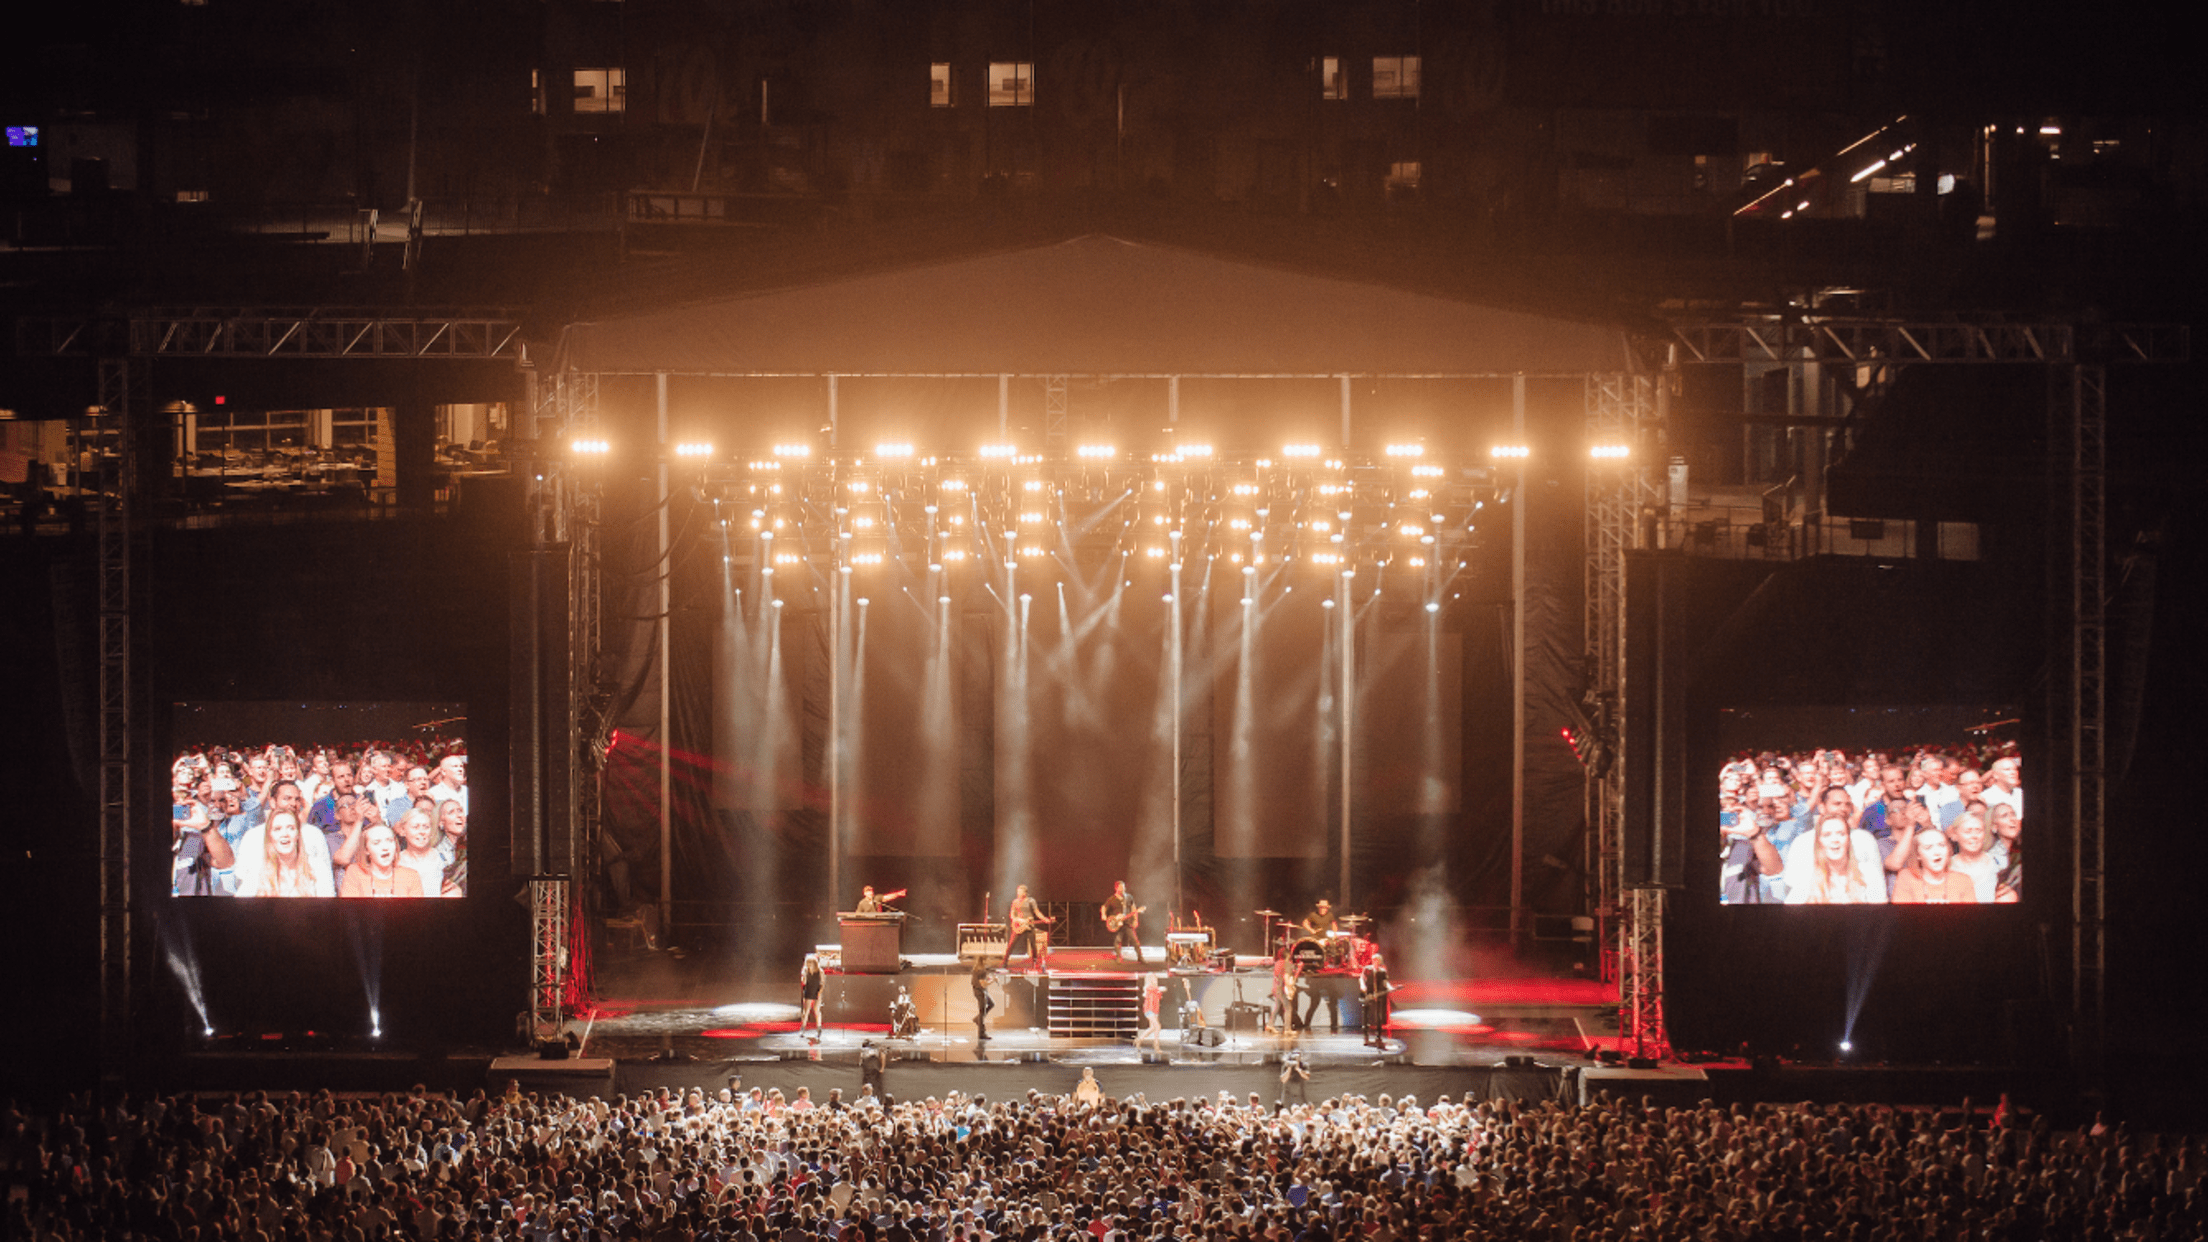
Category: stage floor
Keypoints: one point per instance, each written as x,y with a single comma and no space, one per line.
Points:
656,1005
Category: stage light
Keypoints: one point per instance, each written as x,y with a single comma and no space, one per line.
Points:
942,599
208,1031
1192,450
1299,450
1000,451
1610,452
1095,451
1431,606
1025,597
777,603
1510,450
862,601
1847,1045
1326,603
892,452
953,554
858,487
1412,529
693,448
1406,450
1426,472
1247,569
954,485
793,450
590,447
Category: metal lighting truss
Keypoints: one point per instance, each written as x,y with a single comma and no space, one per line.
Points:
2077,414
1641,1006
122,393
1621,410
271,332
548,954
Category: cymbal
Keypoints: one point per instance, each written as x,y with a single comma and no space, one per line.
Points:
1273,914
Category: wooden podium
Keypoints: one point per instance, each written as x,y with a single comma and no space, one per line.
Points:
873,944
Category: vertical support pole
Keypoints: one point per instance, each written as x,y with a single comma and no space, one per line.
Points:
2077,450
839,599
666,687
1180,708
835,415
1518,672
1173,401
1004,406
1345,449
1348,610
122,393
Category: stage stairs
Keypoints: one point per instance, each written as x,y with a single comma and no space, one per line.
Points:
1095,1006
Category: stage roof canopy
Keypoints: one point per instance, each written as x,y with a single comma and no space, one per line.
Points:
1092,306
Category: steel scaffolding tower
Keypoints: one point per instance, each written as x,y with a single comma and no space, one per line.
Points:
1641,1000
2077,410
1621,410
122,398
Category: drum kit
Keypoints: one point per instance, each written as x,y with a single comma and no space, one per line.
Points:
1350,949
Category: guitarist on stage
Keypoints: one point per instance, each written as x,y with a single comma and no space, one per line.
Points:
1376,992
1021,920
1123,918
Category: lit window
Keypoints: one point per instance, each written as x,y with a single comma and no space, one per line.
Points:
601,90
536,92
1395,77
1333,83
939,85
1404,174
191,196
1011,83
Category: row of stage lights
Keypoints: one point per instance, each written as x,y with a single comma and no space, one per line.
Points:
703,452
1304,508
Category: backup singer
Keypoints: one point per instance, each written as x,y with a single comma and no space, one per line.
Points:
1123,918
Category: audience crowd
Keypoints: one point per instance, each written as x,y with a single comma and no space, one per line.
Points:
374,820
755,1166
1926,826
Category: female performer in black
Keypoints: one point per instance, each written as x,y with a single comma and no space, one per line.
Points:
809,982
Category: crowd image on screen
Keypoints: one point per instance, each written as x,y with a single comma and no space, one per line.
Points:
1928,825
756,1165
376,819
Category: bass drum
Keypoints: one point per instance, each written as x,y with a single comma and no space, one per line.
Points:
1308,953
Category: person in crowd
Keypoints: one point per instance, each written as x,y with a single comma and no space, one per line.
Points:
451,782
1834,865
1931,881
452,825
322,813
287,865
1972,841
419,853
376,871
2006,787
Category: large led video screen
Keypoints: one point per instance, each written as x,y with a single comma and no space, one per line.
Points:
319,800
1893,806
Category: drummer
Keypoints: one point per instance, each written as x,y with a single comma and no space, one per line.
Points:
1320,922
